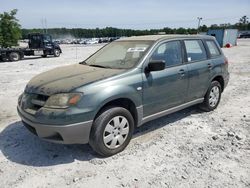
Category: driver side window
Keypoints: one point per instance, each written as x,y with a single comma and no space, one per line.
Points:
47,38
170,52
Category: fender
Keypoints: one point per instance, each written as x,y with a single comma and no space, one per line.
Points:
118,92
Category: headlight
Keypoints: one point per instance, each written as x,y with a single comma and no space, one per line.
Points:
63,100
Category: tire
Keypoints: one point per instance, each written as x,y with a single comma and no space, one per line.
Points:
44,55
14,56
112,131
3,59
212,97
57,52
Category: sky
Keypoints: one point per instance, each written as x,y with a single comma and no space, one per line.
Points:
133,14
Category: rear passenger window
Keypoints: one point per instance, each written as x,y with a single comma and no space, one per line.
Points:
170,52
212,47
195,50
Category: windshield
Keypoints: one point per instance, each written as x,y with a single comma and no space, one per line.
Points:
119,54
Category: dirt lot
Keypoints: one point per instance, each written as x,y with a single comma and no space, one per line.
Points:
186,149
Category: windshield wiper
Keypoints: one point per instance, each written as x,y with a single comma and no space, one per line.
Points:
83,63
99,66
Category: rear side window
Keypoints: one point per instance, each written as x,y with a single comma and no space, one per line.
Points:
170,52
212,47
195,50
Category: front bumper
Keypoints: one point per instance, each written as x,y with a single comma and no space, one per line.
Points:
77,133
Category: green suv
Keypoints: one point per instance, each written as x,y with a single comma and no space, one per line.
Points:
123,85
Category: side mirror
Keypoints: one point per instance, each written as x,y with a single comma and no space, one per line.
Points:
155,65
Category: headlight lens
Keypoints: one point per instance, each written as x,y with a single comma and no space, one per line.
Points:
63,100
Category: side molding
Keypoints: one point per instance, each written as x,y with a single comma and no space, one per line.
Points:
142,120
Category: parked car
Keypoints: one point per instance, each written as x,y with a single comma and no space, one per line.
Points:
92,41
103,40
244,35
122,86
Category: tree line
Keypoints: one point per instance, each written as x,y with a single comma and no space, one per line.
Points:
104,32
243,24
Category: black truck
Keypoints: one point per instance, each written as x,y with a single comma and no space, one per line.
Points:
38,45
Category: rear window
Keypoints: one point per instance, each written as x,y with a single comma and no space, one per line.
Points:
195,50
212,47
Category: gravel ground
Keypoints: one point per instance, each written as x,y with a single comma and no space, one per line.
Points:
189,148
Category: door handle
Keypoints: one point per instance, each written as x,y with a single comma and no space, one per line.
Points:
209,65
182,72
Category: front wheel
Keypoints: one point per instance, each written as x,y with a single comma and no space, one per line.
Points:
212,97
112,131
57,52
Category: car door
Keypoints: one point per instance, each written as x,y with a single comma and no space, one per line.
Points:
198,68
166,88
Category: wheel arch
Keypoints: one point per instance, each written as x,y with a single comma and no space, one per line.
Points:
126,103
220,79
57,47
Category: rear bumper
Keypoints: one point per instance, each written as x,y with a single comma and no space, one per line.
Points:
77,133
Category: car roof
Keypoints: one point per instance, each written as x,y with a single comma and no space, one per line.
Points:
163,37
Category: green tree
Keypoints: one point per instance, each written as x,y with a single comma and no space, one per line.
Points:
244,20
204,28
181,30
10,29
243,23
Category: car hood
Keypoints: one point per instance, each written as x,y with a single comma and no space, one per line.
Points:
67,78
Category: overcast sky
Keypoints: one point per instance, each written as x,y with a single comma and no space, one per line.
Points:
135,14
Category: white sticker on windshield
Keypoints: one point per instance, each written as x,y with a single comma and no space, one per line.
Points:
137,49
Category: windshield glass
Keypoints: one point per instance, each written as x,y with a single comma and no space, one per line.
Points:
119,54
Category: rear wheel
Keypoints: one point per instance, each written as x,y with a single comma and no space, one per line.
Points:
56,52
14,56
3,59
212,97
112,131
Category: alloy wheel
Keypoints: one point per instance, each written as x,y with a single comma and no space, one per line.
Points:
214,96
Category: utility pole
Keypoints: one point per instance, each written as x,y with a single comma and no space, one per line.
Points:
76,36
42,25
45,23
199,24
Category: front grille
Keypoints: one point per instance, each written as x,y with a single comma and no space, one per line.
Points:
31,103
